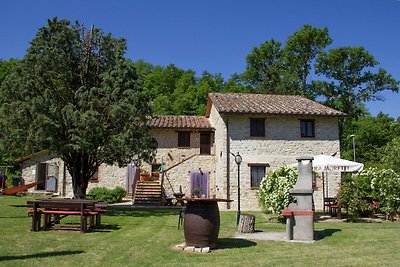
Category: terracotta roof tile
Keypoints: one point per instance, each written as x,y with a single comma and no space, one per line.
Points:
268,104
186,122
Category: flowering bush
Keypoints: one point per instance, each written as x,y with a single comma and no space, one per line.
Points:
274,189
371,184
386,184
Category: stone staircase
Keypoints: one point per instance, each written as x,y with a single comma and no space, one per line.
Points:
148,193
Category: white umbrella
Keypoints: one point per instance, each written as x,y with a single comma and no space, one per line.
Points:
324,163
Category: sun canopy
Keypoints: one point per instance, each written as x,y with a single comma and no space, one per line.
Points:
329,164
324,163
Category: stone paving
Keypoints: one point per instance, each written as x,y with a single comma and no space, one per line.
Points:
192,248
270,236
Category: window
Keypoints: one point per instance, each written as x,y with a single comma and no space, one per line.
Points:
205,143
257,173
307,128
183,139
257,127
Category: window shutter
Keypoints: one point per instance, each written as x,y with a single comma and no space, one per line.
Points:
199,180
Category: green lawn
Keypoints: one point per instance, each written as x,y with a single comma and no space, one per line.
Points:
148,238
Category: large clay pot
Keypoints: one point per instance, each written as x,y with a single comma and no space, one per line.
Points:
145,177
201,223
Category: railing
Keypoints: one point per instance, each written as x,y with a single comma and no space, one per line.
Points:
164,175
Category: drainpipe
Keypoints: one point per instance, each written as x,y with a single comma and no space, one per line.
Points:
228,175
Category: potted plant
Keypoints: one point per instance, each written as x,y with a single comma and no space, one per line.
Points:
197,192
144,175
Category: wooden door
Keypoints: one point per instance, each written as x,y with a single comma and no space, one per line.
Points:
41,173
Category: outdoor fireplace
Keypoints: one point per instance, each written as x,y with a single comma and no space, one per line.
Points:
300,215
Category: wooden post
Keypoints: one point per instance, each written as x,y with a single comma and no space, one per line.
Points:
246,223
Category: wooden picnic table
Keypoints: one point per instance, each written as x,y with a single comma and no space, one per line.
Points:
54,210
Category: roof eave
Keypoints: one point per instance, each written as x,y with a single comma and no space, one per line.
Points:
186,128
281,114
45,152
208,106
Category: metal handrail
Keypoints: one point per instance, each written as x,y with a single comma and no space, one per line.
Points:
163,175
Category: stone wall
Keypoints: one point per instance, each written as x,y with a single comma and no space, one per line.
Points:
55,168
221,157
179,176
281,145
109,176
179,162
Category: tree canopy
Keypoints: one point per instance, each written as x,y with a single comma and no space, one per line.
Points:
272,68
376,141
351,80
75,94
175,91
6,68
343,78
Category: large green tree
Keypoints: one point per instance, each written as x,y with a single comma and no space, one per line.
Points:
75,94
351,79
6,67
265,68
272,68
300,52
343,78
178,92
371,135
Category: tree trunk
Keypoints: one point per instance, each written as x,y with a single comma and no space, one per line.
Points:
81,169
79,188
246,223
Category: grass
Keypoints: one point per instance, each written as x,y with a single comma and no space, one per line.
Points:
133,237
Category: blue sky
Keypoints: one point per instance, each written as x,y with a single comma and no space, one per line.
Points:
215,35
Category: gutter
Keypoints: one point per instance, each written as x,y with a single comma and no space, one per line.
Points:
228,175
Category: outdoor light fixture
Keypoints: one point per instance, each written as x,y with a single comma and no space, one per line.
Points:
238,160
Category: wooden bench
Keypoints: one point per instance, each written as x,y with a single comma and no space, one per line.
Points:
63,208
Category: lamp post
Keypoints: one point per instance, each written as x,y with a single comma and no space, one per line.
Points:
238,160
354,147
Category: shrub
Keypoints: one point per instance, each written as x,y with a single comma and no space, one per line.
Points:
274,190
383,185
391,156
354,193
110,195
386,185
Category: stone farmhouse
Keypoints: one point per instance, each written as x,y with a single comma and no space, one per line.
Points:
196,154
